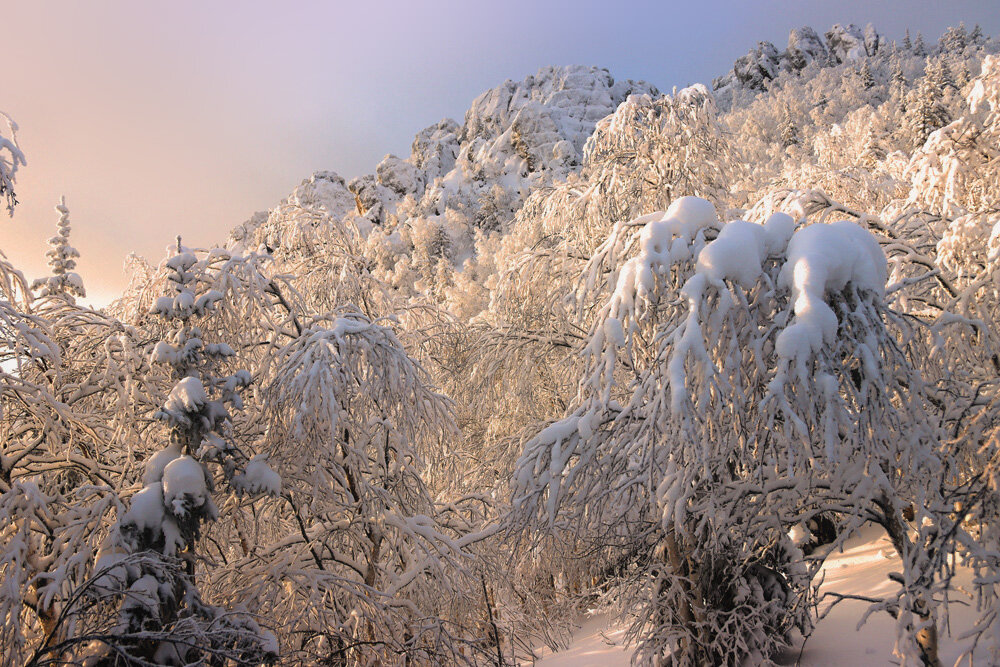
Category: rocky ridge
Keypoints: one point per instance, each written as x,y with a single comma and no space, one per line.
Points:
805,47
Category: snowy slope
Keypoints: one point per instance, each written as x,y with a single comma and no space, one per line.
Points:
516,137
861,569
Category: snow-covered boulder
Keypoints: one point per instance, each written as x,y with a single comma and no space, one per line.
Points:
435,149
872,40
324,191
573,98
400,176
804,47
371,197
758,66
846,43
752,71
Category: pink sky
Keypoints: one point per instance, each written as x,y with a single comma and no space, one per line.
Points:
158,119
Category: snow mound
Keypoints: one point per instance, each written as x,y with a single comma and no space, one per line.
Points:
741,248
825,258
258,477
157,462
185,487
187,396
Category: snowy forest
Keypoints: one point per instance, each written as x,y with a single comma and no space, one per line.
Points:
593,347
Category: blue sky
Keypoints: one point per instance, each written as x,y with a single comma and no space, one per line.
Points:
186,117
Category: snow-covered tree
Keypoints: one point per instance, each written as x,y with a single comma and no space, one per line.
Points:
64,281
957,171
11,158
68,384
925,110
150,557
738,387
370,567
789,130
865,74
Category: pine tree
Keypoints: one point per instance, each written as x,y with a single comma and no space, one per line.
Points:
925,110
789,131
963,76
63,282
954,40
897,80
976,36
907,42
163,616
918,46
867,80
940,74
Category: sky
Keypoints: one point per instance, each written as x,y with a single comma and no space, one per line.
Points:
185,117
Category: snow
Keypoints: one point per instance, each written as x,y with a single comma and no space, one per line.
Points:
764,62
188,395
846,43
144,593
146,510
181,261
109,573
804,46
598,643
258,477
157,462
741,248
665,240
825,258
184,485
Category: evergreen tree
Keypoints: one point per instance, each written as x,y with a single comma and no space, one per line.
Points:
918,46
897,82
963,76
954,40
63,282
907,42
939,73
976,36
789,131
925,110
867,80
151,554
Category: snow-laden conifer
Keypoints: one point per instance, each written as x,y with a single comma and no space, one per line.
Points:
64,281
151,554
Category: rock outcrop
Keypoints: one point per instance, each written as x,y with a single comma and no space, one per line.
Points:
805,47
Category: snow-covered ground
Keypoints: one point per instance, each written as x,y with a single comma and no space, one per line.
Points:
861,569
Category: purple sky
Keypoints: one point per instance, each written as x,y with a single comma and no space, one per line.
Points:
157,119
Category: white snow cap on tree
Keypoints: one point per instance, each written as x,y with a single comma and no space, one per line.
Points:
824,259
